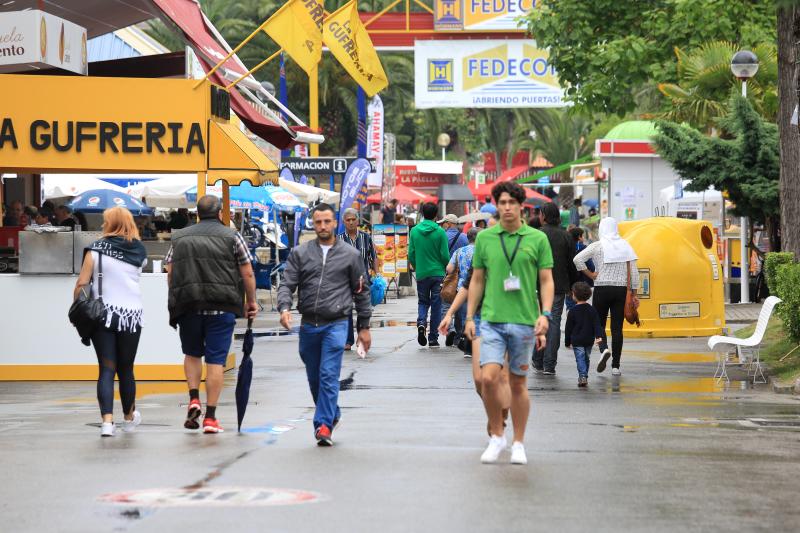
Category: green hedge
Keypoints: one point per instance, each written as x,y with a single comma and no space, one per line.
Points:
787,288
771,264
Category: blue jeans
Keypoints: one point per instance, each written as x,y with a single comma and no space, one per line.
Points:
548,358
582,359
321,349
428,297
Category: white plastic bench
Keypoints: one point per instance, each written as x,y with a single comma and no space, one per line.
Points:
747,351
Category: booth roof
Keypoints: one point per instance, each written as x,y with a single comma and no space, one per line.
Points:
97,16
634,130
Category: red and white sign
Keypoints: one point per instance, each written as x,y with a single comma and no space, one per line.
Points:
411,177
375,141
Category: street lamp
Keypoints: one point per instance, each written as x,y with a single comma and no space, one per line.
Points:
443,140
744,66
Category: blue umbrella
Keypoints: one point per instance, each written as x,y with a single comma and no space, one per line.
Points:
98,200
488,208
264,198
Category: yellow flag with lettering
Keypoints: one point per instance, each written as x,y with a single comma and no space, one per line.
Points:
348,40
297,28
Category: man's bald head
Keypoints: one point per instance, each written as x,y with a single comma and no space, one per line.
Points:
208,206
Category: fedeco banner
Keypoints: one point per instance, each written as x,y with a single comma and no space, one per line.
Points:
102,124
348,40
484,73
481,15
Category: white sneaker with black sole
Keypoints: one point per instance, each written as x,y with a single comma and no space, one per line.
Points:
130,425
616,372
494,449
107,429
518,456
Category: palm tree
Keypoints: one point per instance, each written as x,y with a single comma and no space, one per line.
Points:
705,84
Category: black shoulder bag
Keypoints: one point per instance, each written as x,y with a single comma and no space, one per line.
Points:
87,313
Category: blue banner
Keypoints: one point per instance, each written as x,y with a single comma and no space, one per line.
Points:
286,174
354,179
361,104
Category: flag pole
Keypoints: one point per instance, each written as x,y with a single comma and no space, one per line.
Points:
238,47
313,106
252,70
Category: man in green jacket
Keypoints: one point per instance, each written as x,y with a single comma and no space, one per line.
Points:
428,256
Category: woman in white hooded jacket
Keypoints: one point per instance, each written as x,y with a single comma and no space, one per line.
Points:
613,259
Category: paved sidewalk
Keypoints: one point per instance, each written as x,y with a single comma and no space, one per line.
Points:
742,313
661,448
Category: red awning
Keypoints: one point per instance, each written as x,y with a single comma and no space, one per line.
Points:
484,190
188,17
404,195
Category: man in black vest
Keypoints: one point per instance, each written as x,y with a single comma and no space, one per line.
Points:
209,273
328,275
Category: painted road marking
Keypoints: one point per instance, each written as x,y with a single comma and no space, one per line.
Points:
216,496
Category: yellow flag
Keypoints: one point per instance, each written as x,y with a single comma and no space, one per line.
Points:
347,39
297,28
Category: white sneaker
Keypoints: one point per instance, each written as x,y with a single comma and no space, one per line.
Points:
130,425
494,449
107,429
615,372
518,456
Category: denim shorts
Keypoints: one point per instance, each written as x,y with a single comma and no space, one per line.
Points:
516,339
207,336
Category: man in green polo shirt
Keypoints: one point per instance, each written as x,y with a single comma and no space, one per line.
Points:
508,259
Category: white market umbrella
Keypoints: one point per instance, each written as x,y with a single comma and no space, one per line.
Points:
67,185
167,192
310,194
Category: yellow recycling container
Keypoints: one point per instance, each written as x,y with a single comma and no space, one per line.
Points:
680,278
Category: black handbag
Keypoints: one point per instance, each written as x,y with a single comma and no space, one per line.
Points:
87,313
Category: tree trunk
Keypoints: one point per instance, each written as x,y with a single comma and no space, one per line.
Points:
788,34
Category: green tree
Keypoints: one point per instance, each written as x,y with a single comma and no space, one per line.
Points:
606,51
746,166
705,84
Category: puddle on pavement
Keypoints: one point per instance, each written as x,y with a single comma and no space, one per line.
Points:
773,422
143,389
678,357
670,392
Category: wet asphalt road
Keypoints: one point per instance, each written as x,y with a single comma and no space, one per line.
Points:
659,449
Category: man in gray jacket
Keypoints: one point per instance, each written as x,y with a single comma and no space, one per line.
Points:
328,275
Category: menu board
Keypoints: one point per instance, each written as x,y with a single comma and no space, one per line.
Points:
383,237
401,248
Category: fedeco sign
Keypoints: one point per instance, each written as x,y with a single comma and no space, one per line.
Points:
125,137
79,124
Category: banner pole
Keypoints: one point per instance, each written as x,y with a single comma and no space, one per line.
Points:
252,70
231,54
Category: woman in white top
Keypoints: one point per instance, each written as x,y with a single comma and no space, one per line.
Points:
121,255
613,258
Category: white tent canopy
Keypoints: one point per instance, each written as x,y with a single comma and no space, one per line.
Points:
66,185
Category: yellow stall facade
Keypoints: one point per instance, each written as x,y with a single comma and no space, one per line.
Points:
65,124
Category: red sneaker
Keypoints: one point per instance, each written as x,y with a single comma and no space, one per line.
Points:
211,425
194,412
323,436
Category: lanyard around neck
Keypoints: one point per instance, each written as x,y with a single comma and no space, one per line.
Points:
513,254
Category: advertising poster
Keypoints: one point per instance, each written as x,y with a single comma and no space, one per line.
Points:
375,140
401,248
384,241
484,73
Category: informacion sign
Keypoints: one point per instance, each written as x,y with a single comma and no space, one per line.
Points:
644,284
484,73
679,310
480,15
212,496
320,166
